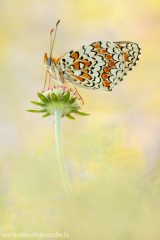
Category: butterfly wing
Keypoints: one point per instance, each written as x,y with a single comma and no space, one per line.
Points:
132,52
98,66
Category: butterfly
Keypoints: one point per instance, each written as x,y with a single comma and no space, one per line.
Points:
97,66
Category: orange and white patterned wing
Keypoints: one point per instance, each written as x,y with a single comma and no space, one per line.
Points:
132,52
98,66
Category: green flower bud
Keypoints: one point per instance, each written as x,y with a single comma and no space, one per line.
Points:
61,100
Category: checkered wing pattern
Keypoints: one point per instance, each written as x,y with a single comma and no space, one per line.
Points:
100,65
132,52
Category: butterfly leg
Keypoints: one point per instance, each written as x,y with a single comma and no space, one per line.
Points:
63,80
45,82
49,81
79,95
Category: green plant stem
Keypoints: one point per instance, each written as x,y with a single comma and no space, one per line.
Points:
62,165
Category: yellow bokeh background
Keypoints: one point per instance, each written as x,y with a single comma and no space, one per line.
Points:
112,156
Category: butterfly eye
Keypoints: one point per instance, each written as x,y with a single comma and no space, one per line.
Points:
49,62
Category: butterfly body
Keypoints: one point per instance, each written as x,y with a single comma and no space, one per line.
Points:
97,66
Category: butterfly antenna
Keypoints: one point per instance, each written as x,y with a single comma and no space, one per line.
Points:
52,44
51,39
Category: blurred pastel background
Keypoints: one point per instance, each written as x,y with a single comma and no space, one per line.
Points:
112,156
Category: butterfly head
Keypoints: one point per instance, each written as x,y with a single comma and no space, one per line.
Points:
49,61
